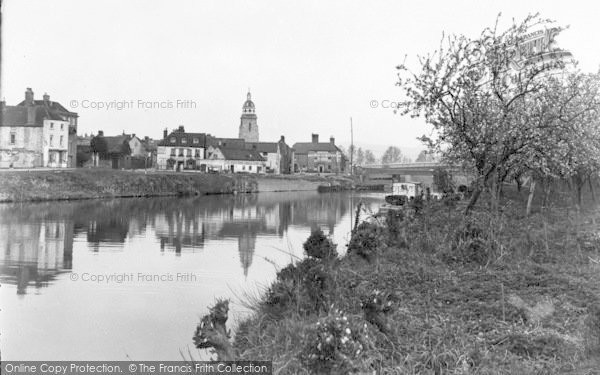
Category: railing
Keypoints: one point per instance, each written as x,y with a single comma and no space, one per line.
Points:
407,165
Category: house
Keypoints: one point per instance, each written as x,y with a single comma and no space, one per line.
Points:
37,133
180,150
318,157
235,160
111,151
61,111
279,156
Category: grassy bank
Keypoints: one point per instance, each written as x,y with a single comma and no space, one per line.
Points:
19,186
436,293
41,185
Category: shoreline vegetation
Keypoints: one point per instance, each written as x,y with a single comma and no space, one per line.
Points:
430,290
77,184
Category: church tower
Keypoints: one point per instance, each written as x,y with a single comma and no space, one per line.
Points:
248,125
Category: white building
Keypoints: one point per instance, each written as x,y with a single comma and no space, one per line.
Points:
180,150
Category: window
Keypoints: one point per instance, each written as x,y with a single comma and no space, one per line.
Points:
51,125
249,167
197,152
61,139
173,140
196,140
13,138
180,152
189,153
62,125
173,150
51,140
183,140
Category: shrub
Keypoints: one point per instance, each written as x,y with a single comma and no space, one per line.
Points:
366,241
319,246
303,287
335,344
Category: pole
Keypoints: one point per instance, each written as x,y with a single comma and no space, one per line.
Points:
351,148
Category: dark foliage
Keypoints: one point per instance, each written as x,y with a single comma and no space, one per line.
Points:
319,246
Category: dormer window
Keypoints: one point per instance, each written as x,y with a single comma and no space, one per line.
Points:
173,140
196,140
183,140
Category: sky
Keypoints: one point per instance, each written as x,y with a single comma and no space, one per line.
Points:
311,66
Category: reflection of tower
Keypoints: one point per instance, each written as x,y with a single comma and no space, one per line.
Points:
246,245
248,124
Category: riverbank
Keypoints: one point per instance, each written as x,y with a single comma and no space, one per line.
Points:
74,184
436,293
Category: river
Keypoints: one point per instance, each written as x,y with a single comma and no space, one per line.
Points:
129,279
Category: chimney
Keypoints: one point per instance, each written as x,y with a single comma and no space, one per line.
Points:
332,140
46,98
282,139
29,96
100,133
132,135
181,129
315,138
165,133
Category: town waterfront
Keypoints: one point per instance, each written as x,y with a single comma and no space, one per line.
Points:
129,278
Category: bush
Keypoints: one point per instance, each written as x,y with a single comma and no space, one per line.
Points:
319,246
335,344
302,288
366,241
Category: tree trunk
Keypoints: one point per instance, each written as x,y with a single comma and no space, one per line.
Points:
591,184
473,200
530,197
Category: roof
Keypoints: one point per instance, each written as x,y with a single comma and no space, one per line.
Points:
184,139
226,142
114,144
270,147
240,154
306,147
51,105
17,115
248,104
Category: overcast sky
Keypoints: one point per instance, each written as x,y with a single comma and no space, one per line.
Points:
310,65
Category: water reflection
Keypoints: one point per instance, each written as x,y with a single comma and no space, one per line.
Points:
37,239
34,248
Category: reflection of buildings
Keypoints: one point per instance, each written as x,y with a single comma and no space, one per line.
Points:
36,240
185,225
34,252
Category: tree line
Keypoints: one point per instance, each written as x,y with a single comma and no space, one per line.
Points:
392,154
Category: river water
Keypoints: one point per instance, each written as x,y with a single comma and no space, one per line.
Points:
129,279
